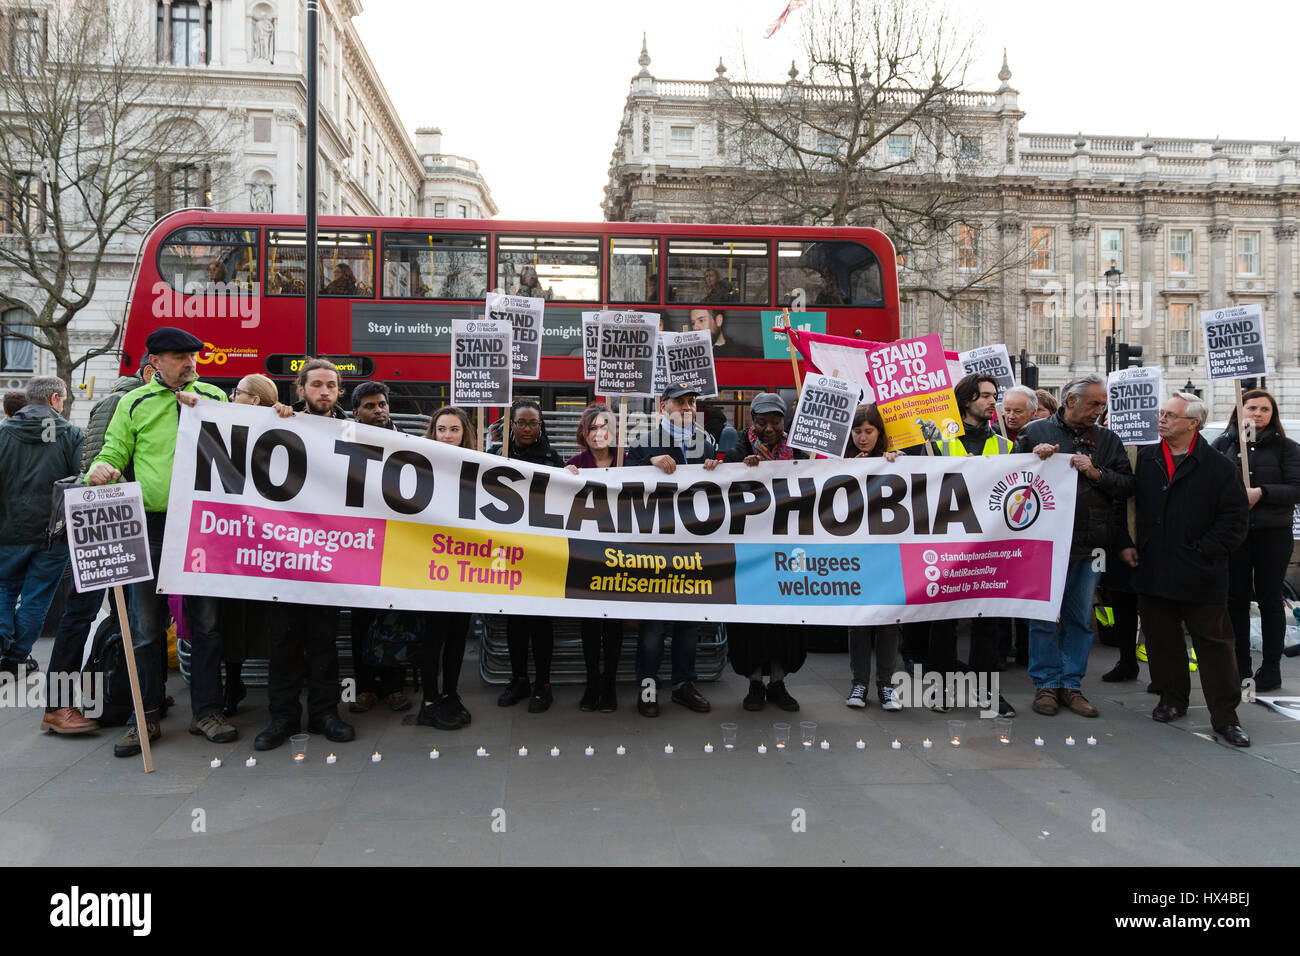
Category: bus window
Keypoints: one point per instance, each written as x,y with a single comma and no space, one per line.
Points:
549,267
830,272
345,263
634,270
718,271
209,260
421,265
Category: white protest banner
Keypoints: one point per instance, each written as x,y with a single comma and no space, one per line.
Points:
688,357
1133,397
106,536
824,416
626,363
299,510
844,362
525,317
989,360
1234,342
590,345
481,363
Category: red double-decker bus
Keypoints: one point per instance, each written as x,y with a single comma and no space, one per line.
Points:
389,288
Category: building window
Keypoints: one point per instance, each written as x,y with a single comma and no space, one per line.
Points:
22,205
1040,251
184,37
462,211
970,326
830,144
440,210
1112,247
968,147
1180,251
681,139
1042,327
968,247
261,129
16,354
907,319
26,43
1248,253
900,147
1181,340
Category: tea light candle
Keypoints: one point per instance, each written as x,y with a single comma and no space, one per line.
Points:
668,748
523,751
1092,741
250,762
299,758
826,745
555,751
708,748
1038,741
1069,741
621,750
216,762
762,748
589,751
927,743
482,752
956,741
433,754
896,745
1005,739
376,757
780,746
331,759
807,743
861,744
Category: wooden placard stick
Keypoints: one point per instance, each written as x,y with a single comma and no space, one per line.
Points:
622,428
794,362
1241,434
142,725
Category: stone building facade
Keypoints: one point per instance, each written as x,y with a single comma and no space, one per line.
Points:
1181,224
250,55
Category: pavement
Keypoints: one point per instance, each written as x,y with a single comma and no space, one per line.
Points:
1146,794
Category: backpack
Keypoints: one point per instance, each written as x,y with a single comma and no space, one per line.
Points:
54,528
108,662
394,639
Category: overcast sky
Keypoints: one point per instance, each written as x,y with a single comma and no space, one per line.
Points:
534,91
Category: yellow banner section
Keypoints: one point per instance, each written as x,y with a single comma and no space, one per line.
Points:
470,561
906,419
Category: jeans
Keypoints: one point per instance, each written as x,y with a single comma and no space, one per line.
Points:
1058,653
30,573
149,616
79,614
650,650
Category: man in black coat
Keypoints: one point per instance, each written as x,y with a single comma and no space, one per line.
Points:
1191,513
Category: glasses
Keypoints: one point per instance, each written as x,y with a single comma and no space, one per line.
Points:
1163,416
519,426
238,391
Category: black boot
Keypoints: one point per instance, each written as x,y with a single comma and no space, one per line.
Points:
591,696
1269,676
607,701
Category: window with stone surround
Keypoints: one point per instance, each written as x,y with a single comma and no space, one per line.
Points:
1248,253
1180,252
968,247
1042,327
900,147
970,325
681,139
184,33
24,42
1112,248
1042,239
907,319
1180,337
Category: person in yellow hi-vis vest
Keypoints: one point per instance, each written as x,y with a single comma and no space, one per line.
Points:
977,397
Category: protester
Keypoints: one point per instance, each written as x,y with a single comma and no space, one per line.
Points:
1192,513
867,440
1047,403
304,637
678,439
594,437
1259,566
443,650
756,648
529,443
141,437
977,397
38,447
1019,408
1058,652
374,683
13,401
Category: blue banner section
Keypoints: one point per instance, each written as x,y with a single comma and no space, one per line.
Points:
819,574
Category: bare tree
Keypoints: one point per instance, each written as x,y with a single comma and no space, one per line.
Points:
97,138
881,130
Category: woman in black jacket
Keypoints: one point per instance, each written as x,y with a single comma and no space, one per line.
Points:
529,442
1274,491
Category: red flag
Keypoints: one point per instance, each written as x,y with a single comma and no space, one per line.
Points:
780,21
801,340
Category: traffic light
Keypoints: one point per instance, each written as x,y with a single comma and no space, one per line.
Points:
1130,356
1110,354
1028,371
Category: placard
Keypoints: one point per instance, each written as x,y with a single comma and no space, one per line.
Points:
846,362
661,367
989,360
525,317
1234,342
1133,404
481,363
689,360
590,345
106,535
914,393
824,417
626,358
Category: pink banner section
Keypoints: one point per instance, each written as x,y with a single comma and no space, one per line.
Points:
801,340
938,573
261,543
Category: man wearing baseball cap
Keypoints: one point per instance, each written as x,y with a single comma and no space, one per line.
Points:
140,443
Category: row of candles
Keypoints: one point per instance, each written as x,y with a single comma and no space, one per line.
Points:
781,734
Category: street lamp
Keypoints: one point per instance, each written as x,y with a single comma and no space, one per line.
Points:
1113,276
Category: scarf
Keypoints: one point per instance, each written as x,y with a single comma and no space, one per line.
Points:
680,434
782,452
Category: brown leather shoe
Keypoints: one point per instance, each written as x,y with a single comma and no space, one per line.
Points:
1045,702
67,720
1075,700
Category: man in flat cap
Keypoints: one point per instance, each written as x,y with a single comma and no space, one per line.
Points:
141,443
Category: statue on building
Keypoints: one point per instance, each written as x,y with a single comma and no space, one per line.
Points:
259,197
264,38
